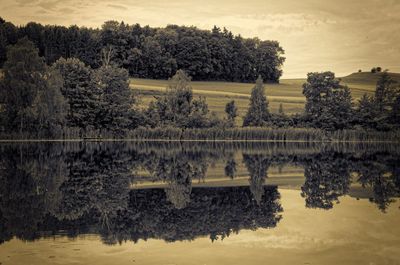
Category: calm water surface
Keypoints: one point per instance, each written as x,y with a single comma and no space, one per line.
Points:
199,203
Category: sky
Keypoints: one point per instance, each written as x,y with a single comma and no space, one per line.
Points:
317,35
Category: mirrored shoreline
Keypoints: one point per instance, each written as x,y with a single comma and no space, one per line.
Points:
127,191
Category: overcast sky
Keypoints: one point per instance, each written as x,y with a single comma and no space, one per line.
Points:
342,35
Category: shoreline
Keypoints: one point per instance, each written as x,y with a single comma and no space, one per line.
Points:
192,140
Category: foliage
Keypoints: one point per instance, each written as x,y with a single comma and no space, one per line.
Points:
31,94
178,108
23,77
50,107
155,52
326,180
231,112
230,168
380,111
81,92
116,99
328,103
80,188
257,166
257,114
383,90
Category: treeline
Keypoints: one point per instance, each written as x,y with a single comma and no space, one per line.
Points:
330,106
69,99
154,52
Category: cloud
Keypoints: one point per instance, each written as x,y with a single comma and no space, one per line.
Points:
49,5
120,7
26,3
66,10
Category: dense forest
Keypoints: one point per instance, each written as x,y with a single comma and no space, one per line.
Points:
155,52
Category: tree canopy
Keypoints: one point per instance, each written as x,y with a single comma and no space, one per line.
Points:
328,103
156,53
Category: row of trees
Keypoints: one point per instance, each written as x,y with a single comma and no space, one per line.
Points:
155,52
48,101
329,106
36,98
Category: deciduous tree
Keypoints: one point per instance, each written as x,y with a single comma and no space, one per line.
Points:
81,92
23,78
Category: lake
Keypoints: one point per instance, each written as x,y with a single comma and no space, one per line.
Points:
199,203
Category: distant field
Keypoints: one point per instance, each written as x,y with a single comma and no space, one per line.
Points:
288,92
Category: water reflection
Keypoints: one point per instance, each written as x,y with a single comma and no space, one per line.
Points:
131,191
327,177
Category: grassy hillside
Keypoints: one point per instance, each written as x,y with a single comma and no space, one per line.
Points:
367,78
288,92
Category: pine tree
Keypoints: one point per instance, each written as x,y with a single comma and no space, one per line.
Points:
280,111
231,112
230,168
367,111
395,112
257,114
179,98
383,87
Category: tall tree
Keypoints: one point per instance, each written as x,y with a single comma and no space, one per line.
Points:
23,78
395,113
8,36
382,92
50,107
231,112
269,60
280,110
257,114
116,98
257,166
230,167
117,35
367,111
81,92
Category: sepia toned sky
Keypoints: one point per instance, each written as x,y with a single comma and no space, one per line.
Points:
341,35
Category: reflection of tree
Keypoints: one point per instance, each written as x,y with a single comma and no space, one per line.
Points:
216,212
98,179
179,179
84,187
327,178
230,168
213,212
257,166
178,171
384,182
28,175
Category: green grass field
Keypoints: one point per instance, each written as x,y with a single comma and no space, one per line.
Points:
288,92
